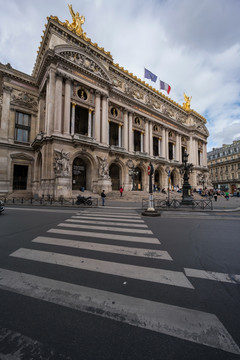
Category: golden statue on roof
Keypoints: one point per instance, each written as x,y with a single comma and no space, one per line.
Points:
186,105
77,22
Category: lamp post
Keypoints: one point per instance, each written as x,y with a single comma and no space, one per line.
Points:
150,210
186,188
150,174
133,172
168,171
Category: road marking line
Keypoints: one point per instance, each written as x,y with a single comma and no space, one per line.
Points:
140,239
103,218
190,325
210,275
161,276
113,216
107,223
149,253
105,228
132,214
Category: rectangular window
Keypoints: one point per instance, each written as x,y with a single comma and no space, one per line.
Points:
155,146
22,127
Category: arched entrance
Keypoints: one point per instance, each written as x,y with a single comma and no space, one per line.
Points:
137,179
114,173
172,178
79,174
157,180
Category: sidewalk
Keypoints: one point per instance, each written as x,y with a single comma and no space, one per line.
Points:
233,204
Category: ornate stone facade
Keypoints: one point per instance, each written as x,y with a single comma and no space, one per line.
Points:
80,120
224,167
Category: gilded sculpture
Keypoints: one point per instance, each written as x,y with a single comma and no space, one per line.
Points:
186,105
77,22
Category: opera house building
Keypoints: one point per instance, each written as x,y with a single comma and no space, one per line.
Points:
82,121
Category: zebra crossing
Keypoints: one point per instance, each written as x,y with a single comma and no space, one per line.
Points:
95,231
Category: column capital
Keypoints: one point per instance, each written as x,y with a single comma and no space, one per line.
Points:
74,104
7,89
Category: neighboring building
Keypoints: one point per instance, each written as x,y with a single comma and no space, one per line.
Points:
224,166
82,121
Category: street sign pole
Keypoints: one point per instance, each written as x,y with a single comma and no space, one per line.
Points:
150,174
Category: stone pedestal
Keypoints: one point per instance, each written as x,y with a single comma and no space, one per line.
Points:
102,184
63,187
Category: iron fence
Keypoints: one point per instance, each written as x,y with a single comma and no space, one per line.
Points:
177,204
48,202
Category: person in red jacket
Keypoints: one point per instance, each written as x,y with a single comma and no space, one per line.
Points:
121,191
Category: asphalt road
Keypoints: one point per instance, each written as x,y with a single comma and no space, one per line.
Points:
109,284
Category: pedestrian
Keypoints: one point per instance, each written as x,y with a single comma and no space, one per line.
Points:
215,196
103,195
227,195
121,191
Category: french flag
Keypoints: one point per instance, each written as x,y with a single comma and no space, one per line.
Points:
165,86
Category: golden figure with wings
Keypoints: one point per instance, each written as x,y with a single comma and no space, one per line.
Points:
77,22
187,99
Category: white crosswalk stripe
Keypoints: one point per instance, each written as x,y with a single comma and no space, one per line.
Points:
210,275
106,267
187,324
183,323
127,220
114,249
105,228
140,239
110,223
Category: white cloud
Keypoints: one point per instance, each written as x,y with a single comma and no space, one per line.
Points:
192,45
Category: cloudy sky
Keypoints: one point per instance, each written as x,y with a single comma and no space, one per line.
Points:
193,45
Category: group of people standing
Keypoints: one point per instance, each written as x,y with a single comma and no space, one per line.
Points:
103,195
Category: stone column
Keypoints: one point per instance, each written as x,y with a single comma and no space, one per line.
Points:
150,139
105,125
166,145
73,119
130,133
58,106
146,137
120,135
174,152
97,120
177,148
142,134
40,117
67,103
204,154
180,149
159,147
163,143
90,111
50,96
125,130
191,150
5,121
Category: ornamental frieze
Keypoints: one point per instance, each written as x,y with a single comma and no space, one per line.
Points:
23,99
117,82
84,62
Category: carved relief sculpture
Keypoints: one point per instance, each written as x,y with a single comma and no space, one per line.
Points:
61,163
103,168
24,99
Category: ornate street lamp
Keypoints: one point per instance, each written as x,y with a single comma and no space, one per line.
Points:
133,172
168,171
186,188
